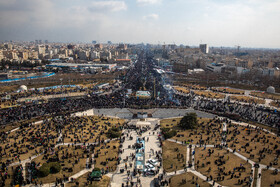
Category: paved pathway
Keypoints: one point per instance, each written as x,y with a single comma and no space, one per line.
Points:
118,178
151,146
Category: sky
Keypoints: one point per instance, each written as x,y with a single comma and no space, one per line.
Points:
248,23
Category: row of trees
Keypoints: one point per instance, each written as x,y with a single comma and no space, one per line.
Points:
18,65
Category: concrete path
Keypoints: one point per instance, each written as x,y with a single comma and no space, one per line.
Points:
151,146
84,113
118,178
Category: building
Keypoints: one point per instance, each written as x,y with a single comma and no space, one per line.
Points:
4,76
122,56
1,55
268,72
215,67
41,49
122,46
271,72
98,46
9,46
24,55
34,55
106,55
123,62
241,70
13,55
76,66
204,48
83,55
94,55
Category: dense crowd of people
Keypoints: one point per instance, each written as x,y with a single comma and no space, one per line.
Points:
140,77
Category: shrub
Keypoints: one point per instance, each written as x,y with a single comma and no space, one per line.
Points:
114,133
47,168
96,169
189,121
168,133
43,171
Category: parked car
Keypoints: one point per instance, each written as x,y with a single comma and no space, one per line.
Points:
150,171
149,166
153,162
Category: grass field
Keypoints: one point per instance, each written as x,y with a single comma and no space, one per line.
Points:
247,99
168,123
191,180
32,138
229,90
251,142
108,155
208,130
210,94
204,161
89,129
10,173
269,178
82,181
182,89
266,95
69,157
171,159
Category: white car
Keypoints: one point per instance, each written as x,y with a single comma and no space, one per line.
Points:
149,166
153,162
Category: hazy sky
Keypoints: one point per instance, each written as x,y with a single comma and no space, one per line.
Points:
250,23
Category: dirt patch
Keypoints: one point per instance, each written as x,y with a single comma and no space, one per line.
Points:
269,178
82,181
190,180
174,156
224,167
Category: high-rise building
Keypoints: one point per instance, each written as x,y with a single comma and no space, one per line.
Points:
83,55
98,46
94,55
41,49
1,55
204,48
122,46
34,55
9,46
94,42
13,55
24,55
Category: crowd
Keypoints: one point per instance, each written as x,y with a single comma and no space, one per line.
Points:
141,77
44,141
254,143
251,112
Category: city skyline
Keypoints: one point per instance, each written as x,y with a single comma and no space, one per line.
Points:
217,23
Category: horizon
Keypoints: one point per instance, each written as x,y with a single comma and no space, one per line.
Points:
154,44
249,24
